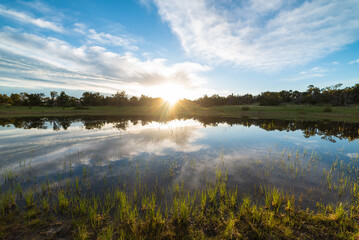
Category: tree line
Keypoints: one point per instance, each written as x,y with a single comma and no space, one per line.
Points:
63,100
333,95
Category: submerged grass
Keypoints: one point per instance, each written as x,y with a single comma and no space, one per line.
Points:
217,214
71,209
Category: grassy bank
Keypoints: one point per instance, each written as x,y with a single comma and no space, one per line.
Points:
287,112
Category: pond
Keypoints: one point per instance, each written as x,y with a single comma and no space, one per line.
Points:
316,161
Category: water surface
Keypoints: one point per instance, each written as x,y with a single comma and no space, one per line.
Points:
294,156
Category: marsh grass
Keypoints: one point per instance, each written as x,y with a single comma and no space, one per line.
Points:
69,207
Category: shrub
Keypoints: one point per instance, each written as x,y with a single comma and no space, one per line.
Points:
81,108
327,109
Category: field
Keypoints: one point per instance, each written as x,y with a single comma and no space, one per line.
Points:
287,112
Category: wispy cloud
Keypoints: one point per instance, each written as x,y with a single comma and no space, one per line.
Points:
39,6
319,70
27,19
354,61
261,35
106,39
35,61
314,72
146,3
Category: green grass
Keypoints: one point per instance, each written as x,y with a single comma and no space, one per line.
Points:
71,210
213,215
288,112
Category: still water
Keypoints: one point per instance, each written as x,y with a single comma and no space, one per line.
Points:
311,159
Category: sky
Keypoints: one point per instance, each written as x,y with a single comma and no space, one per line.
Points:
184,47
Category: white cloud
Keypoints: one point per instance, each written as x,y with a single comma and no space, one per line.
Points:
314,72
146,3
32,61
262,35
94,37
80,28
108,39
39,7
23,17
355,61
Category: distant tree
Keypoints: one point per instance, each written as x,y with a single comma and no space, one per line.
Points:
270,99
4,99
232,100
144,100
214,100
297,97
312,95
334,95
53,96
92,99
203,101
246,99
286,95
15,99
24,99
120,98
63,100
355,90
35,99
134,101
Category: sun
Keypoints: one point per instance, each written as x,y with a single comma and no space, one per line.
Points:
171,99
170,92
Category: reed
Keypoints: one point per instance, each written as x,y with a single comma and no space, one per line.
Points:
170,210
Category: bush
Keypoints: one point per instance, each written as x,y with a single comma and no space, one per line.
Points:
81,108
327,109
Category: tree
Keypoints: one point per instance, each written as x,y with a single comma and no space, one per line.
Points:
4,99
53,96
270,99
334,94
63,100
312,95
134,101
356,93
120,98
92,99
15,99
35,99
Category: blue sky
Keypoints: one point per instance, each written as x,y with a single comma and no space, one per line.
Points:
188,47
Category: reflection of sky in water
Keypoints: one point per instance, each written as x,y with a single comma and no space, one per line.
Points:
43,146
195,150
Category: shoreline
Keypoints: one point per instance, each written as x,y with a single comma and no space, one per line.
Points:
284,112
